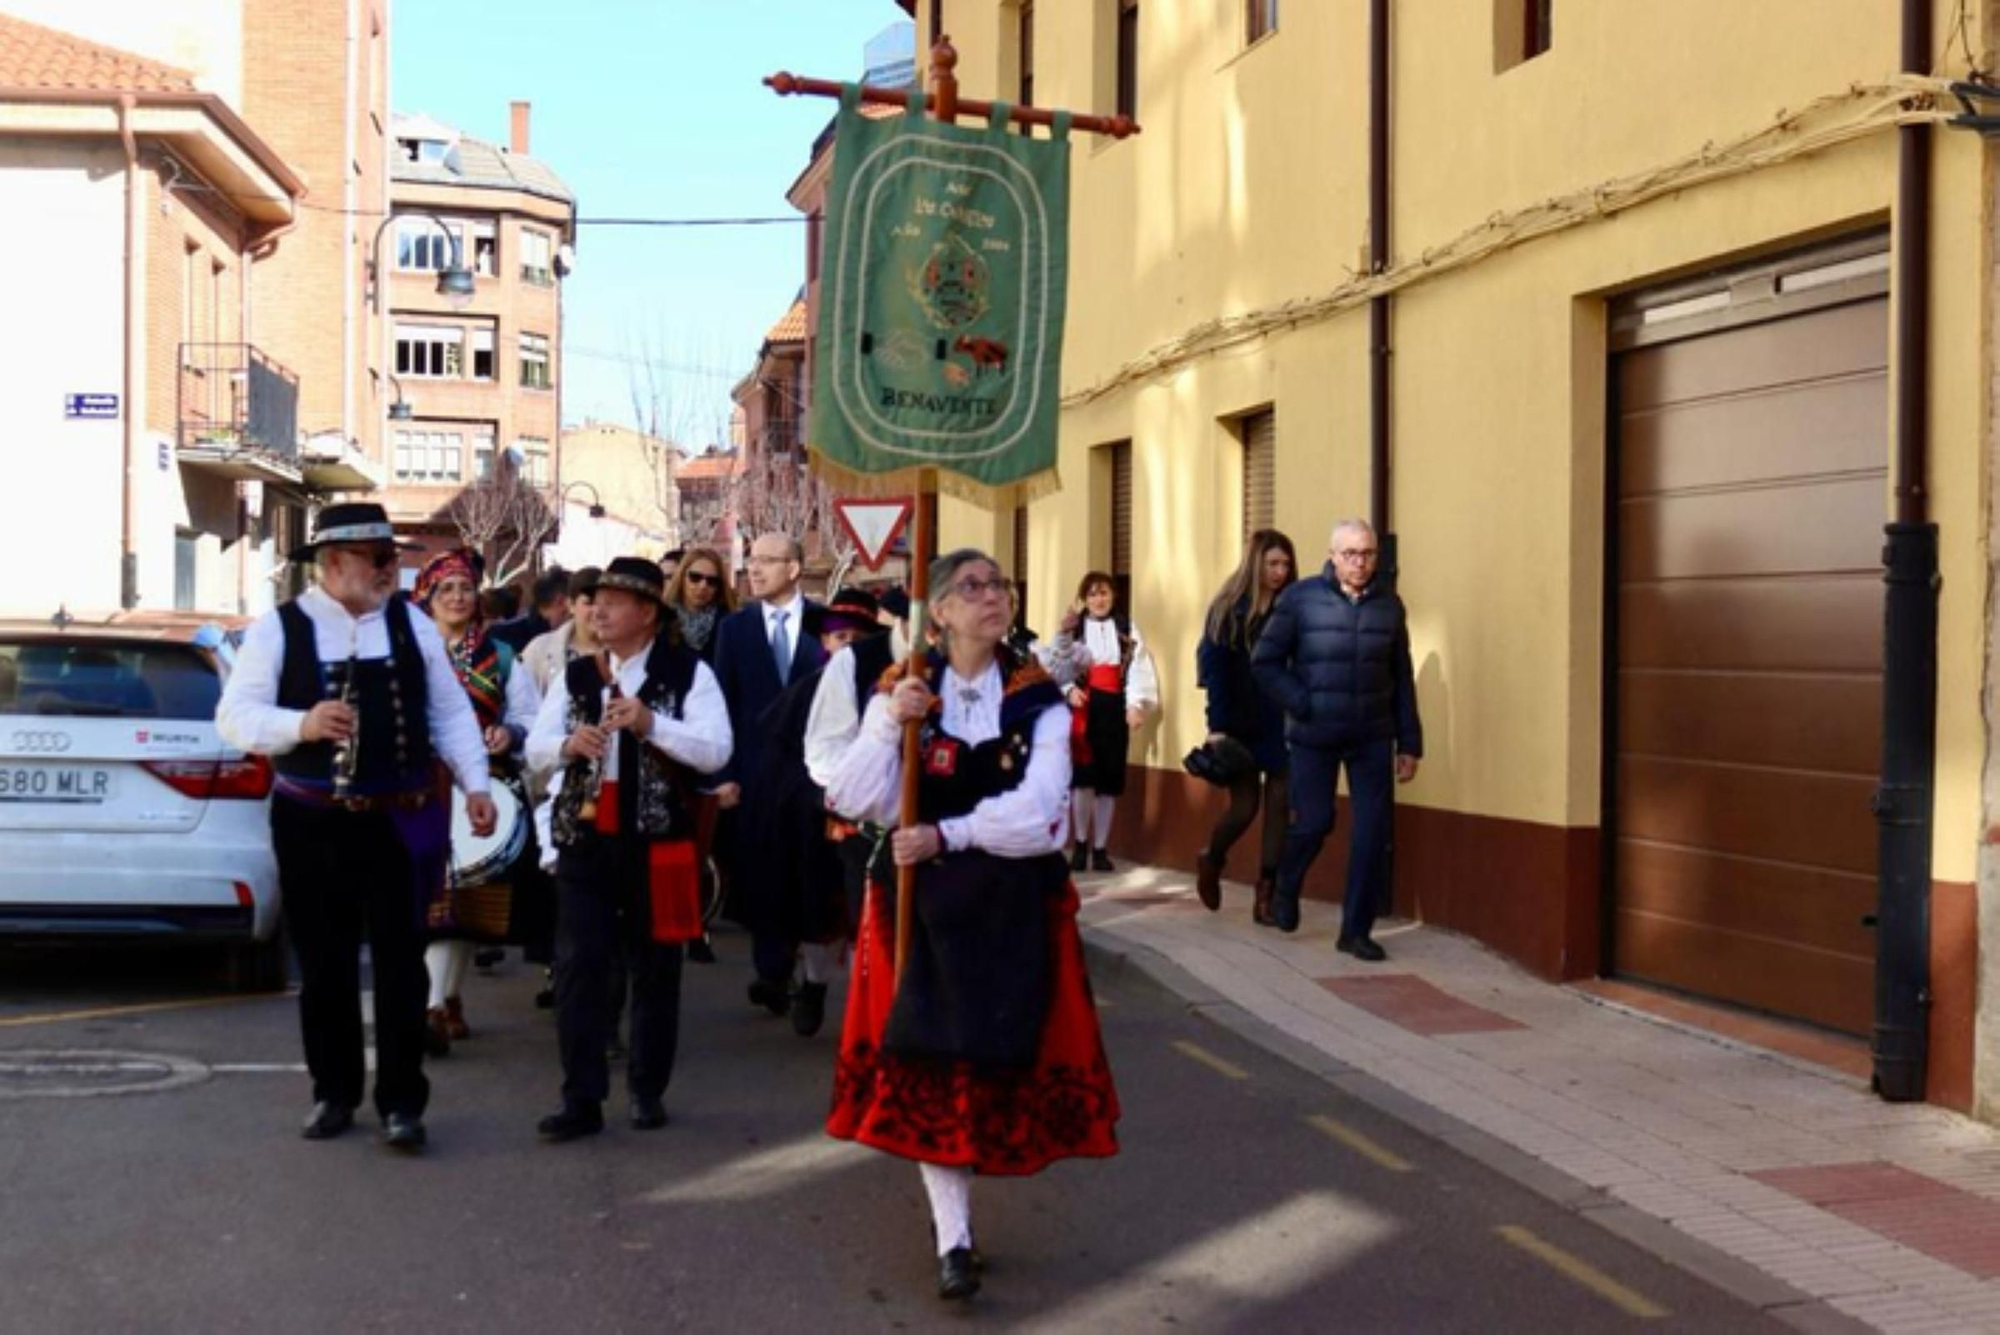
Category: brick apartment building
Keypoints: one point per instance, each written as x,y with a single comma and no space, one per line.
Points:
618,495
479,384
227,359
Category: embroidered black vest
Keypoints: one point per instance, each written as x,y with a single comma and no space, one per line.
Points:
957,776
655,807
390,694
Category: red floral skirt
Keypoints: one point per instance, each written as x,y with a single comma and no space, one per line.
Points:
1005,1123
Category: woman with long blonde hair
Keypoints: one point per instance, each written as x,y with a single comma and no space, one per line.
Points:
701,594
1238,712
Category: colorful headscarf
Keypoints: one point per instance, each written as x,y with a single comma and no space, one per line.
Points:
476,657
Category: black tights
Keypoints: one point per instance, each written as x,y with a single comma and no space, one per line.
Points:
1243,798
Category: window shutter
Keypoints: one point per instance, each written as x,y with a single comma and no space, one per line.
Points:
1260,471
1121,509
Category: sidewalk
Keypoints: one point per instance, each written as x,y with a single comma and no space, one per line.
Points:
1786,1182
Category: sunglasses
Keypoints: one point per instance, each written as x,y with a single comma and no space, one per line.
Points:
696,577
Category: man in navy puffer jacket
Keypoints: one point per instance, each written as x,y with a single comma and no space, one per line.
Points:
1336,655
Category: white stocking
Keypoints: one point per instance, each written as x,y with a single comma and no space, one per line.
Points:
447,962
1080,803
1101,829
823,963
950,1190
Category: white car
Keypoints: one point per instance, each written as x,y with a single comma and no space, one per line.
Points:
122,813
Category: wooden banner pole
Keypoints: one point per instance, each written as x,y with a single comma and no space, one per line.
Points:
923,545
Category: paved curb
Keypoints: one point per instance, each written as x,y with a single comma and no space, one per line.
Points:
1110,956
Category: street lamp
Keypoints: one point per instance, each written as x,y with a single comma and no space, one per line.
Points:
399,411
455,282
596,503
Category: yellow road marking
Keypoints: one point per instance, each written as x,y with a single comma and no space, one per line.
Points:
1196,1052
1362,1145
1584,1273
140,1008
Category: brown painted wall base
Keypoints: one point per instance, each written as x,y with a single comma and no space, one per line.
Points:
1529,891
1532,892
1954,993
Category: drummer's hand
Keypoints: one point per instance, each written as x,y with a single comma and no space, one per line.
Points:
911,700
498,740
327,721
586,743
627,712
919,843
728,795
480,811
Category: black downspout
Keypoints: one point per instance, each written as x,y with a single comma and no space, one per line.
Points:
1909,660
1388,569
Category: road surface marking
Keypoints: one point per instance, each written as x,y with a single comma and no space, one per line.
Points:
1583,1272
58,1073
1369,1149
258,1068
138,1008
1195,1052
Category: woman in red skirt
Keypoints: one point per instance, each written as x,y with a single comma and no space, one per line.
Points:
1100,657
988,1058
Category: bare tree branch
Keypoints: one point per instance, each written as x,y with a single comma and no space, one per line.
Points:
505,520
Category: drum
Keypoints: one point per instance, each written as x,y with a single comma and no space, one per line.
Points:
476,860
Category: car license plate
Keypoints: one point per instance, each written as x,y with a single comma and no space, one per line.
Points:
82,785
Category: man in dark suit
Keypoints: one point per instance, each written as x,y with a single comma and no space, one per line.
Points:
759,651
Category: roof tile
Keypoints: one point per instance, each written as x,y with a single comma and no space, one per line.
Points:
32,56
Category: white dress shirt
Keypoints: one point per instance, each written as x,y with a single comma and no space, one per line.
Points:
524,699
699,739
792,611
250,718
1028,820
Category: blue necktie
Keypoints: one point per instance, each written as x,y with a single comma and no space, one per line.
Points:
781,652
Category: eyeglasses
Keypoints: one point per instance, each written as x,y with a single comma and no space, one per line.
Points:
1356,554
379,557
696,577
969,589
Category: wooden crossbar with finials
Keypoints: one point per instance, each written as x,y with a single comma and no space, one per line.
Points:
941,103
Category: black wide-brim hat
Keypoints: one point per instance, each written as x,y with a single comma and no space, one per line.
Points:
351,521
635,575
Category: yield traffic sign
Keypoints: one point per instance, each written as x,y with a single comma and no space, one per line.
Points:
873,522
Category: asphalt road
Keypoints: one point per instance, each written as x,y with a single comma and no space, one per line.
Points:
1250,1195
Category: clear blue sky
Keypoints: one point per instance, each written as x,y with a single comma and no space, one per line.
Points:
650,108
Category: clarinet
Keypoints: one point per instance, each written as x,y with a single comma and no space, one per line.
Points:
347,753
587,811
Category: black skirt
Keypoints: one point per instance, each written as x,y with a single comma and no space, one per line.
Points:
1101,765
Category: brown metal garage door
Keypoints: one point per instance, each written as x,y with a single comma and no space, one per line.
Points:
1750,465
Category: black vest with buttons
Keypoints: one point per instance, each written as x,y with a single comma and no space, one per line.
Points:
390,694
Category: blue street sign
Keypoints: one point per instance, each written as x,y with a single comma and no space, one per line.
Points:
90,406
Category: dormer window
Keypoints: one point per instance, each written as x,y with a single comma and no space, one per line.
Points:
426,151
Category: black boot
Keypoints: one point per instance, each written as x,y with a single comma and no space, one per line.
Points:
1101,861
1080,859
575,1121
957,1276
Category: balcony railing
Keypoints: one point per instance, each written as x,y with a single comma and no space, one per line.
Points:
233,396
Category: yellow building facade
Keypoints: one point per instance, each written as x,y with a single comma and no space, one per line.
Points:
1678,256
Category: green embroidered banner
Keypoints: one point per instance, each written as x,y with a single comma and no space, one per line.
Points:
943,278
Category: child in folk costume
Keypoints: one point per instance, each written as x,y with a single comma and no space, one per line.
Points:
1101,658
504,701
987,1057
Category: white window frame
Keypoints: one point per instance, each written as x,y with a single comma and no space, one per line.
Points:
534,452
429,351
538,251
429,455
534,351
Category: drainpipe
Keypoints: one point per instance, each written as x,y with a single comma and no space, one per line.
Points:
1909,662
1379,349
1378,261
128,560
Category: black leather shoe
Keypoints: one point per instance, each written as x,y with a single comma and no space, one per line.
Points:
772,995
545,1000
648,1114
572,1123
700,951
809,1009
1362,948
487,956
404,1131
327,1121
1285,913
1101,861
957,1276
1080,859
